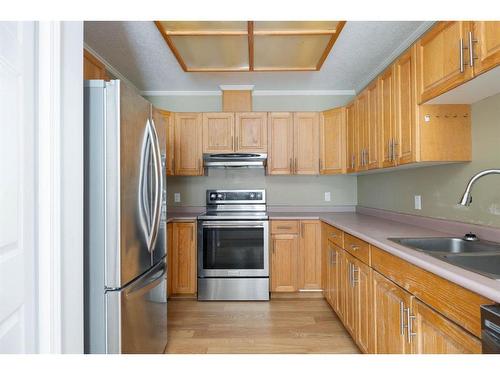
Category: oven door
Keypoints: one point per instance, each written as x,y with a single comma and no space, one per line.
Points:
233,249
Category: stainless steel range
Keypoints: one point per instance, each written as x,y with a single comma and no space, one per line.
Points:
233,246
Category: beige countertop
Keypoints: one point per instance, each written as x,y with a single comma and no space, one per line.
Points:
377,230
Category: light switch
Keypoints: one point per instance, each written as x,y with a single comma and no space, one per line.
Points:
177,197
328,196
418,202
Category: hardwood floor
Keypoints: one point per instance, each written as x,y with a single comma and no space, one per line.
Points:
278,326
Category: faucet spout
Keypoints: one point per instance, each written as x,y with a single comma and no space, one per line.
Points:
466,199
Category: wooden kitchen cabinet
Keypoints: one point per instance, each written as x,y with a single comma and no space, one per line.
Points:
188,144
439,51
170,237
280,136
184,258
434,334
405,108
389,303
373,121
351,139
163,119
332,141
361,131
310,255
92,67
218,132
387,129
487,47
251,132
362,282
284,262
306,142
349,294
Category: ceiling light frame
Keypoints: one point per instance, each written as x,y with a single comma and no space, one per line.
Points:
250,33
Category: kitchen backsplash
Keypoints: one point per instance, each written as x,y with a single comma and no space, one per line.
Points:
281,190
442,186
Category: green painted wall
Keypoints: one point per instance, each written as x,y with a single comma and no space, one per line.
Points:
442,186
281,190
260,103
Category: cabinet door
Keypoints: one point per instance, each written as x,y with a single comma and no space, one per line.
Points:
439,61
487,48
332,141
350,295
387,128
187,144
164,119
306,142
434,334
284,262
341,269
373,119
389,304
170,255
184,258
251,132
218,132
363,301
92,67
280,137
325,262
310,255
405,106
351,146
334,277
361,132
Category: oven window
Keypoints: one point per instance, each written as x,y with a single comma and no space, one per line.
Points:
233,248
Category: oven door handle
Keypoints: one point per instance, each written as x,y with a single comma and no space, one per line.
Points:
217,226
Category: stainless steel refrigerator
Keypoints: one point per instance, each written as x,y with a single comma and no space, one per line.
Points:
125,222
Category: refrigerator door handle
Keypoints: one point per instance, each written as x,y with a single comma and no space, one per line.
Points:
159,184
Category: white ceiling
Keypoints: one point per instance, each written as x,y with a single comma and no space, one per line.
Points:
138,52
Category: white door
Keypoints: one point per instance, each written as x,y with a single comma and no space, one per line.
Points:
17,191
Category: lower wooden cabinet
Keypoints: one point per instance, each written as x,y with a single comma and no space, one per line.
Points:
347,265
284,262
183,258
362,281
436,334
170,236
389,304
295,255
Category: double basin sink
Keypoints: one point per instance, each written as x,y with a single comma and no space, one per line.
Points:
479,256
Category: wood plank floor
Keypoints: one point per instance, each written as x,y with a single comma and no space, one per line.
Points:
277,326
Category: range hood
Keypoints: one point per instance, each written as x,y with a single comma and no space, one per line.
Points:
234,160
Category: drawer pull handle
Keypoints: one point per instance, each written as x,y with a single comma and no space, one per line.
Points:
354,247
284,227
333,235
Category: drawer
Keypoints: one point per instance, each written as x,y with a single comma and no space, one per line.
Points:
335,236
284,226
357,248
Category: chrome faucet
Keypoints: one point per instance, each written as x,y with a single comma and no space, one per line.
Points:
467,197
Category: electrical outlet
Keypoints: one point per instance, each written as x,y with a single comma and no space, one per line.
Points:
328,196
418,202
177,197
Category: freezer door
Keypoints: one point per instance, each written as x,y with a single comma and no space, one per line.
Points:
137,315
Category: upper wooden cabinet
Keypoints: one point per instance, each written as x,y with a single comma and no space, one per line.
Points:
442,59
280,135
251,132
372,157
361,131
188,144
405,108
487,47
306,142
387,126
351,139
165,119
92,67
218,132
332,133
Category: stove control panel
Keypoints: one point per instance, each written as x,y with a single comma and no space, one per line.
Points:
236,196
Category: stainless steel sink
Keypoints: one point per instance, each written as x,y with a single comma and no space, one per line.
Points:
479,256
487,264
448,245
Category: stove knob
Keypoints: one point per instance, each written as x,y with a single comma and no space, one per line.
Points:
219,196
252,195
213,196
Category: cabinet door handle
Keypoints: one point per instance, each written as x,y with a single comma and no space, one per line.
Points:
402,318
234,144
295,165
282,227
237,147
471,49
334,261
409,325
461,47
291,166
354,270
395,150
354,248
390,150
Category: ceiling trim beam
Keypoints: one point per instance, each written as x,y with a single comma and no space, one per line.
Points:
254,93
172,46
250,45
297,32
205,33
330,44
